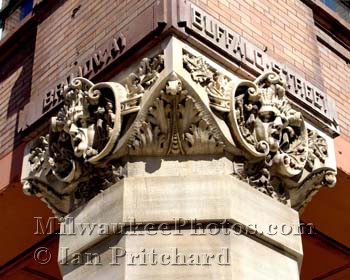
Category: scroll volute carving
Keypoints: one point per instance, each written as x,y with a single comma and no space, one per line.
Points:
266,127
198,111
69,159
317,172
87,126
284,159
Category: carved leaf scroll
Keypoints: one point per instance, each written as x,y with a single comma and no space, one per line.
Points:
214,82
83,132
155,114
174,124
283,158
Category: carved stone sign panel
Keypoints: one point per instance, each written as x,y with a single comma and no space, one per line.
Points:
177,103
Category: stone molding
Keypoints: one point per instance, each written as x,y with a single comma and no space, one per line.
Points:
176,102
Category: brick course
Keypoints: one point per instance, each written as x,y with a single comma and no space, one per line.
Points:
74,29
336,75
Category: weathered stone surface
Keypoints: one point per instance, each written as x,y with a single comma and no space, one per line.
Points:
176,102
171,200
166,198
176,137
265,263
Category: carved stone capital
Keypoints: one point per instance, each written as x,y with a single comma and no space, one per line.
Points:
177,103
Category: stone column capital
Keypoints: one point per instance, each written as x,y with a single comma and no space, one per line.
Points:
176,102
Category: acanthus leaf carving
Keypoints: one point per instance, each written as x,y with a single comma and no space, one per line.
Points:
153,114
176,124
317,147
303,193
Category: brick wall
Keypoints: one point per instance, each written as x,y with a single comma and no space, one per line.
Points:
67,34
12,22
15,84
287,29
73,30
336,75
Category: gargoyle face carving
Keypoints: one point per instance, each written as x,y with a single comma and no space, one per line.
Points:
267,127
87,119
269,124
79,140
76,124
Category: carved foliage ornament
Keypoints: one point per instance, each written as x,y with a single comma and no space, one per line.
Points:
175,123
215,83
67,167
156,114
284,156
266,126
83,132
137,82
283,159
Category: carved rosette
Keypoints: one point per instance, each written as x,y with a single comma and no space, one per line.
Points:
196,111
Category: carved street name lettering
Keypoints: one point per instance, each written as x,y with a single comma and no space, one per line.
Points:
215,32
256,61
90,68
